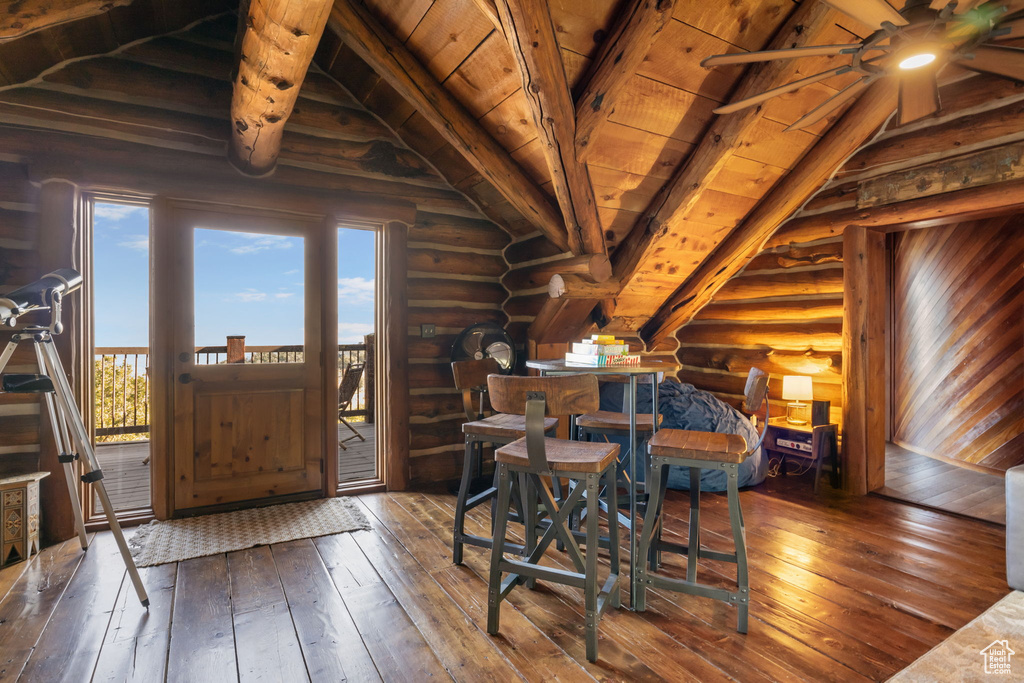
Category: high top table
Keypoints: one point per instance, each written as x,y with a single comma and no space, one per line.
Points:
651,368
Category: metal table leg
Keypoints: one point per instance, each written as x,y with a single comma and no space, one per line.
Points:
632,489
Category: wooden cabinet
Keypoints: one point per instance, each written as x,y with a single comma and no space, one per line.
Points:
19,517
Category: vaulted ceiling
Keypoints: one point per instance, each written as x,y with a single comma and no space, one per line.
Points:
611,146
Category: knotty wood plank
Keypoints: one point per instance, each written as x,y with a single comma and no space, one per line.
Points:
329,639
27,608
70,644
466,652
266,644
136,642
202,634
523,614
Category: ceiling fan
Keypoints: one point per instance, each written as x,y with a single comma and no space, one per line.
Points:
912,44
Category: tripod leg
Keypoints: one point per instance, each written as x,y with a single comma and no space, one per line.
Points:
64,450
65,399
7,353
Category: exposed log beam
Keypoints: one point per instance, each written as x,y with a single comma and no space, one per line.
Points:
489,10
531,35
403,71
560,320
276,44
21,17
635,31
591,267
749,238
570,286
723,139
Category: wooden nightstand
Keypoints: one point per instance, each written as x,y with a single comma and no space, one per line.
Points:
823,441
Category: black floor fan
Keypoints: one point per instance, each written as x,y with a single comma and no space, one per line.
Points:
476,342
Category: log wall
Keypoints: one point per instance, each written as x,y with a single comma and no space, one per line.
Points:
153,119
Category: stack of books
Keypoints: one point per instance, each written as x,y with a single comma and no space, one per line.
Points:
599,351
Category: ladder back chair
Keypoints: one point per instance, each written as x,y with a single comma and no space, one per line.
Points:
346,392
698,451
543,460
499,429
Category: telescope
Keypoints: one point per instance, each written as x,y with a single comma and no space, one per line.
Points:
40,295
74,443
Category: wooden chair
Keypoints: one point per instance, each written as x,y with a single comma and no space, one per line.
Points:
471,379
346,391
699,450
543,460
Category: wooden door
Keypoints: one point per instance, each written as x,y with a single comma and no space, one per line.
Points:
245,431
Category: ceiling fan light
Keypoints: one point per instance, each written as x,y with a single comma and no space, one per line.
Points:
917,60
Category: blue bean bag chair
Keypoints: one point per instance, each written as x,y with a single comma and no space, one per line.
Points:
682,406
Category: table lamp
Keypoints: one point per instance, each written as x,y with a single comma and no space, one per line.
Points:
797,388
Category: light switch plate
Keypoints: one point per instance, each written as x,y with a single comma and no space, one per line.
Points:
428,330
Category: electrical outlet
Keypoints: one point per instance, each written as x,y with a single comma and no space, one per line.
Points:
428,330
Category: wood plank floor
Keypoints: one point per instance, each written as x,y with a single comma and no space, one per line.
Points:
126,472
922,480
843,589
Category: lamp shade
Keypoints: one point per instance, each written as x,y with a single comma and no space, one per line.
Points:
797,388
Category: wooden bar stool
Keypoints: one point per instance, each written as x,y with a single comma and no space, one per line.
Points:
699,450
500,429
541,458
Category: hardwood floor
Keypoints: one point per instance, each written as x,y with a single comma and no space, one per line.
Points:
926,481
843,589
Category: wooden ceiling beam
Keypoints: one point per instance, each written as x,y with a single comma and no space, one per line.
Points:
724,138
744,243
637,28
489,10
21,17
276,43
531,35
403,71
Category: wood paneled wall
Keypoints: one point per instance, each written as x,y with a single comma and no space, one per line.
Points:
154,119
958,341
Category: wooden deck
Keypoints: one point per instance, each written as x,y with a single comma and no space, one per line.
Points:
843,589
126,474
922,480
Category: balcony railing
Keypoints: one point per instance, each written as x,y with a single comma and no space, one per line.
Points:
121,381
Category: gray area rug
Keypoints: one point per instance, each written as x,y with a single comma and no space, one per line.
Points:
989,648
182,539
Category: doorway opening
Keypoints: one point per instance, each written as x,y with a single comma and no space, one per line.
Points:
956,365
357,451
118,281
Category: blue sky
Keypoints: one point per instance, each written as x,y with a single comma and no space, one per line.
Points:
246,283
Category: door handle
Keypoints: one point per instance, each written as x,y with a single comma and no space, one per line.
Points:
185,378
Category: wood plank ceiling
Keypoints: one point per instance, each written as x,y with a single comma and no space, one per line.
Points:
662,173
657,122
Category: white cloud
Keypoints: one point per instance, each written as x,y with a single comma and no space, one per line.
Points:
283,295
258,243
355,289
296,271
136,242
116,212
353,333
249,295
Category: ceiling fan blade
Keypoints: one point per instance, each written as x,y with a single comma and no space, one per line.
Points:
1015,23
919,97
831,104
768,55
782,89
996,59
870,12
